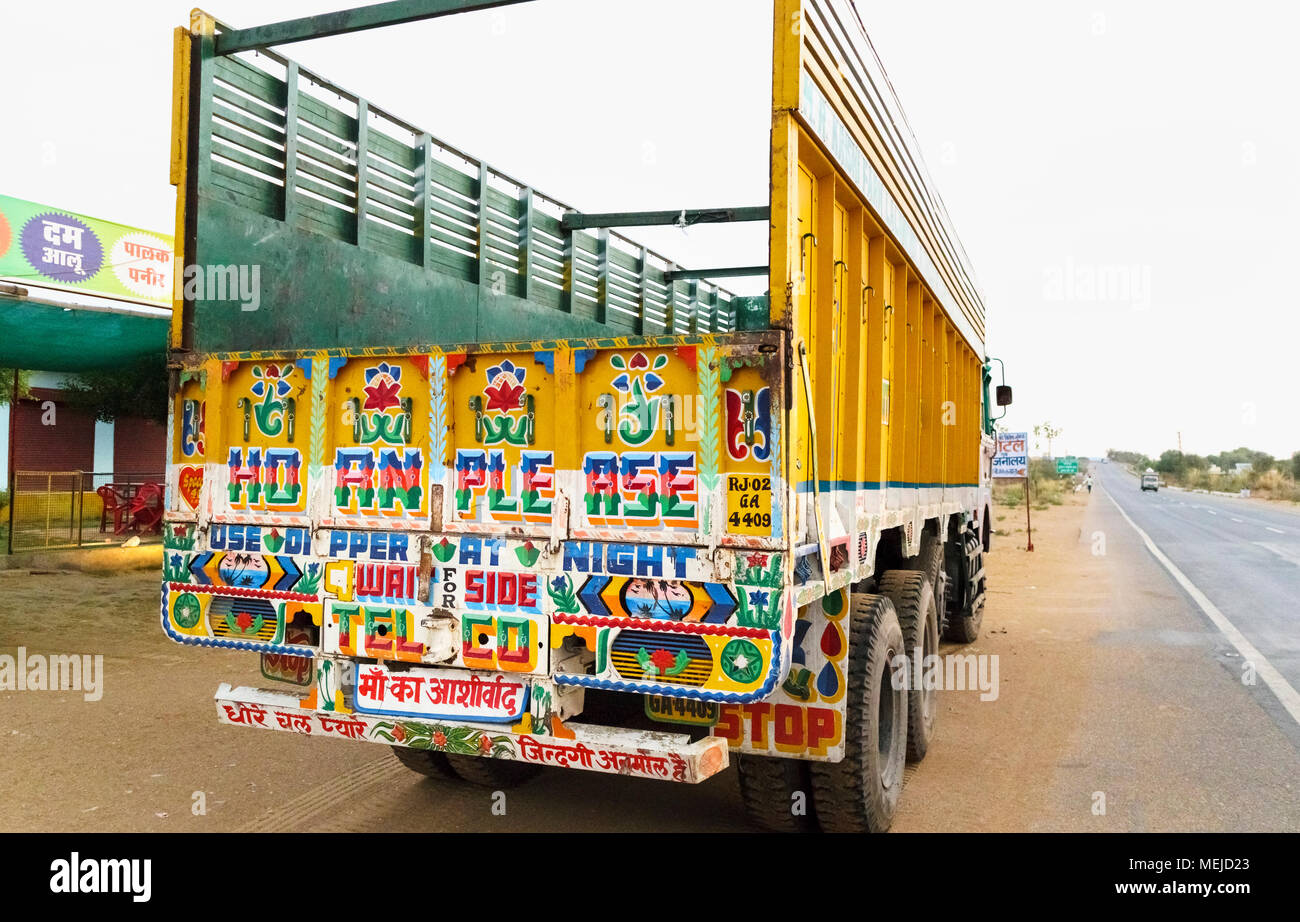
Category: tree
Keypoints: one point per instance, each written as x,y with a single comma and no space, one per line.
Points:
1171,462
1295,465
7,385
138,390
1049,432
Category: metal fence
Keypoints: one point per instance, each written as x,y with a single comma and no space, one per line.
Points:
62,509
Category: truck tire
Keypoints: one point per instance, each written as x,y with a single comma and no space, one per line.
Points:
768,786
860,793
492,773
918,617
965,595
930,562
432,764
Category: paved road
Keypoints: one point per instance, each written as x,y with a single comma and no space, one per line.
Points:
1243,555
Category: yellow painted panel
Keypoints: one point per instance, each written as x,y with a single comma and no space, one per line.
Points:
266,410
503,440
638,426
377,436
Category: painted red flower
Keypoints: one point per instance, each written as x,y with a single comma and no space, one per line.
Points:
440,739
756,560
639,361
398,733
484,744
503,395
382,394
244,620
663,660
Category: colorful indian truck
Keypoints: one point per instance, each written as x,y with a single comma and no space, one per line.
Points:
479,478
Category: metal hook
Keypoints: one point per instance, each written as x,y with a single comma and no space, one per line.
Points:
803,258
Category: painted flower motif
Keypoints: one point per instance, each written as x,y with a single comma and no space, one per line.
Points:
440,739
622,383
559,584
274,375
639,361
398,733
384,369
175,561
505,386
484,744
758,599
244,620
663,660
756,560
382,387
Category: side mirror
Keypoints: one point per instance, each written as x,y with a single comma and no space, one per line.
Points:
1004,395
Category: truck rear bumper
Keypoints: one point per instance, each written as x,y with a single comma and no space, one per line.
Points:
637,753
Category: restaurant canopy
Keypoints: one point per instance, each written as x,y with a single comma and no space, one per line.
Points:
73,336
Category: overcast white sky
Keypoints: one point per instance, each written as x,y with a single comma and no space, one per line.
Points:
1124,176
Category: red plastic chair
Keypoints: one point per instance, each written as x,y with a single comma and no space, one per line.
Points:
113,502
147,508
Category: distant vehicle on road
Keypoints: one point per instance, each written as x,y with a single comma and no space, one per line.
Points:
1151,481
1105,460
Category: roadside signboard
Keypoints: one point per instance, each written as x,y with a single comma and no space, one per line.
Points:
1067,465
1011,455
47,246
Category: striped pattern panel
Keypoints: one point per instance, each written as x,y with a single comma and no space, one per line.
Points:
626,649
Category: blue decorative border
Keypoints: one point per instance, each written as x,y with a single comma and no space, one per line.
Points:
191,641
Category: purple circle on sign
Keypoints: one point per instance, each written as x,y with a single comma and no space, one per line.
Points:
62,248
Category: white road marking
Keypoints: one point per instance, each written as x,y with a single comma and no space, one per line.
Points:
1283,552
1238,521
1277,530
1211,512
1277,683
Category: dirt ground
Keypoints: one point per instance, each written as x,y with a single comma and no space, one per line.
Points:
1109,685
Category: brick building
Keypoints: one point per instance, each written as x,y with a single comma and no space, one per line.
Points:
52,436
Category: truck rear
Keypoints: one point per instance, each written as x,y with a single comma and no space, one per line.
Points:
482,480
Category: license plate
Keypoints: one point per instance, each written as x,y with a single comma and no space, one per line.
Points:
681,710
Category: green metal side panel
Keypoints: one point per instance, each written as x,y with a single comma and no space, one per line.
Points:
319,221
318,293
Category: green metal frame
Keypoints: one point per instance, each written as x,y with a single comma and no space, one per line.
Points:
722,273
340,22
368,229
684,218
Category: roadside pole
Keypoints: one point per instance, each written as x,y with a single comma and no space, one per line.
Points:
13,474
1029,528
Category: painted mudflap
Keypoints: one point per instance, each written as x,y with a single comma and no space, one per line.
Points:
639,754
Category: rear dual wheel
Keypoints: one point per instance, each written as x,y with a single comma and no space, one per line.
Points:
860,793
480,770
918,617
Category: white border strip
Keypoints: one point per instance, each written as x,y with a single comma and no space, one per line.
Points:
1280,687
